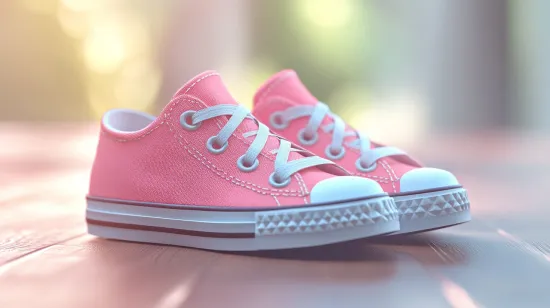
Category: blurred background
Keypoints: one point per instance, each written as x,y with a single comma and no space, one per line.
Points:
462,85
397,69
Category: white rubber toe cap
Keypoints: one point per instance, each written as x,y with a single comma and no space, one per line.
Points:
427,178
341,188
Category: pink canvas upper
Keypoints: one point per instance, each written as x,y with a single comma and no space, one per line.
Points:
165,163
284,90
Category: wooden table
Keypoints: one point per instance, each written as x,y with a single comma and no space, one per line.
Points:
500,259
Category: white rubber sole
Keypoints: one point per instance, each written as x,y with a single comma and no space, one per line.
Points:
432,210
231,230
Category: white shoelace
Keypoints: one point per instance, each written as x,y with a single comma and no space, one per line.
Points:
316,115
283,169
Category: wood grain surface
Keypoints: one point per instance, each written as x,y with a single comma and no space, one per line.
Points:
500,259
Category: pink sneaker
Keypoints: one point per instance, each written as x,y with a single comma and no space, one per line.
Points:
206,174
426,198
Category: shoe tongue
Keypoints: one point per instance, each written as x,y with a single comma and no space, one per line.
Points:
209,88
285,84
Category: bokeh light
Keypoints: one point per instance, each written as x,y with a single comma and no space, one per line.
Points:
334,34
104,49
328,13
74,24
116,45
138,84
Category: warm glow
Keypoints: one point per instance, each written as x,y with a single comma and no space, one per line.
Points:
456,295
104,49
332,34
327,13
40,6
243,81
98,104
73,24
138,85
401,119
82,5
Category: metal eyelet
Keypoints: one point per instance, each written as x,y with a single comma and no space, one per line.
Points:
361,168
210,146
186,118
332,156
243,168
277,121
276,184
307,141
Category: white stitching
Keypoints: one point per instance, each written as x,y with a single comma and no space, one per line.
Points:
224,174
230,178
199,80
382,162
301,181
215,169
272,85
371,176
277,200
299,184
374,179
387,171
395,177
306,191
235,180
162,122
210,165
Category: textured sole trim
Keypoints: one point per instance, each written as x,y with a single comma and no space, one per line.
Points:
433,210
244,231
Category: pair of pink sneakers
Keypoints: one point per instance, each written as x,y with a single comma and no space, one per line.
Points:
207,173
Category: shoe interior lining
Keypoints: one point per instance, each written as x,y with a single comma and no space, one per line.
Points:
123,120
